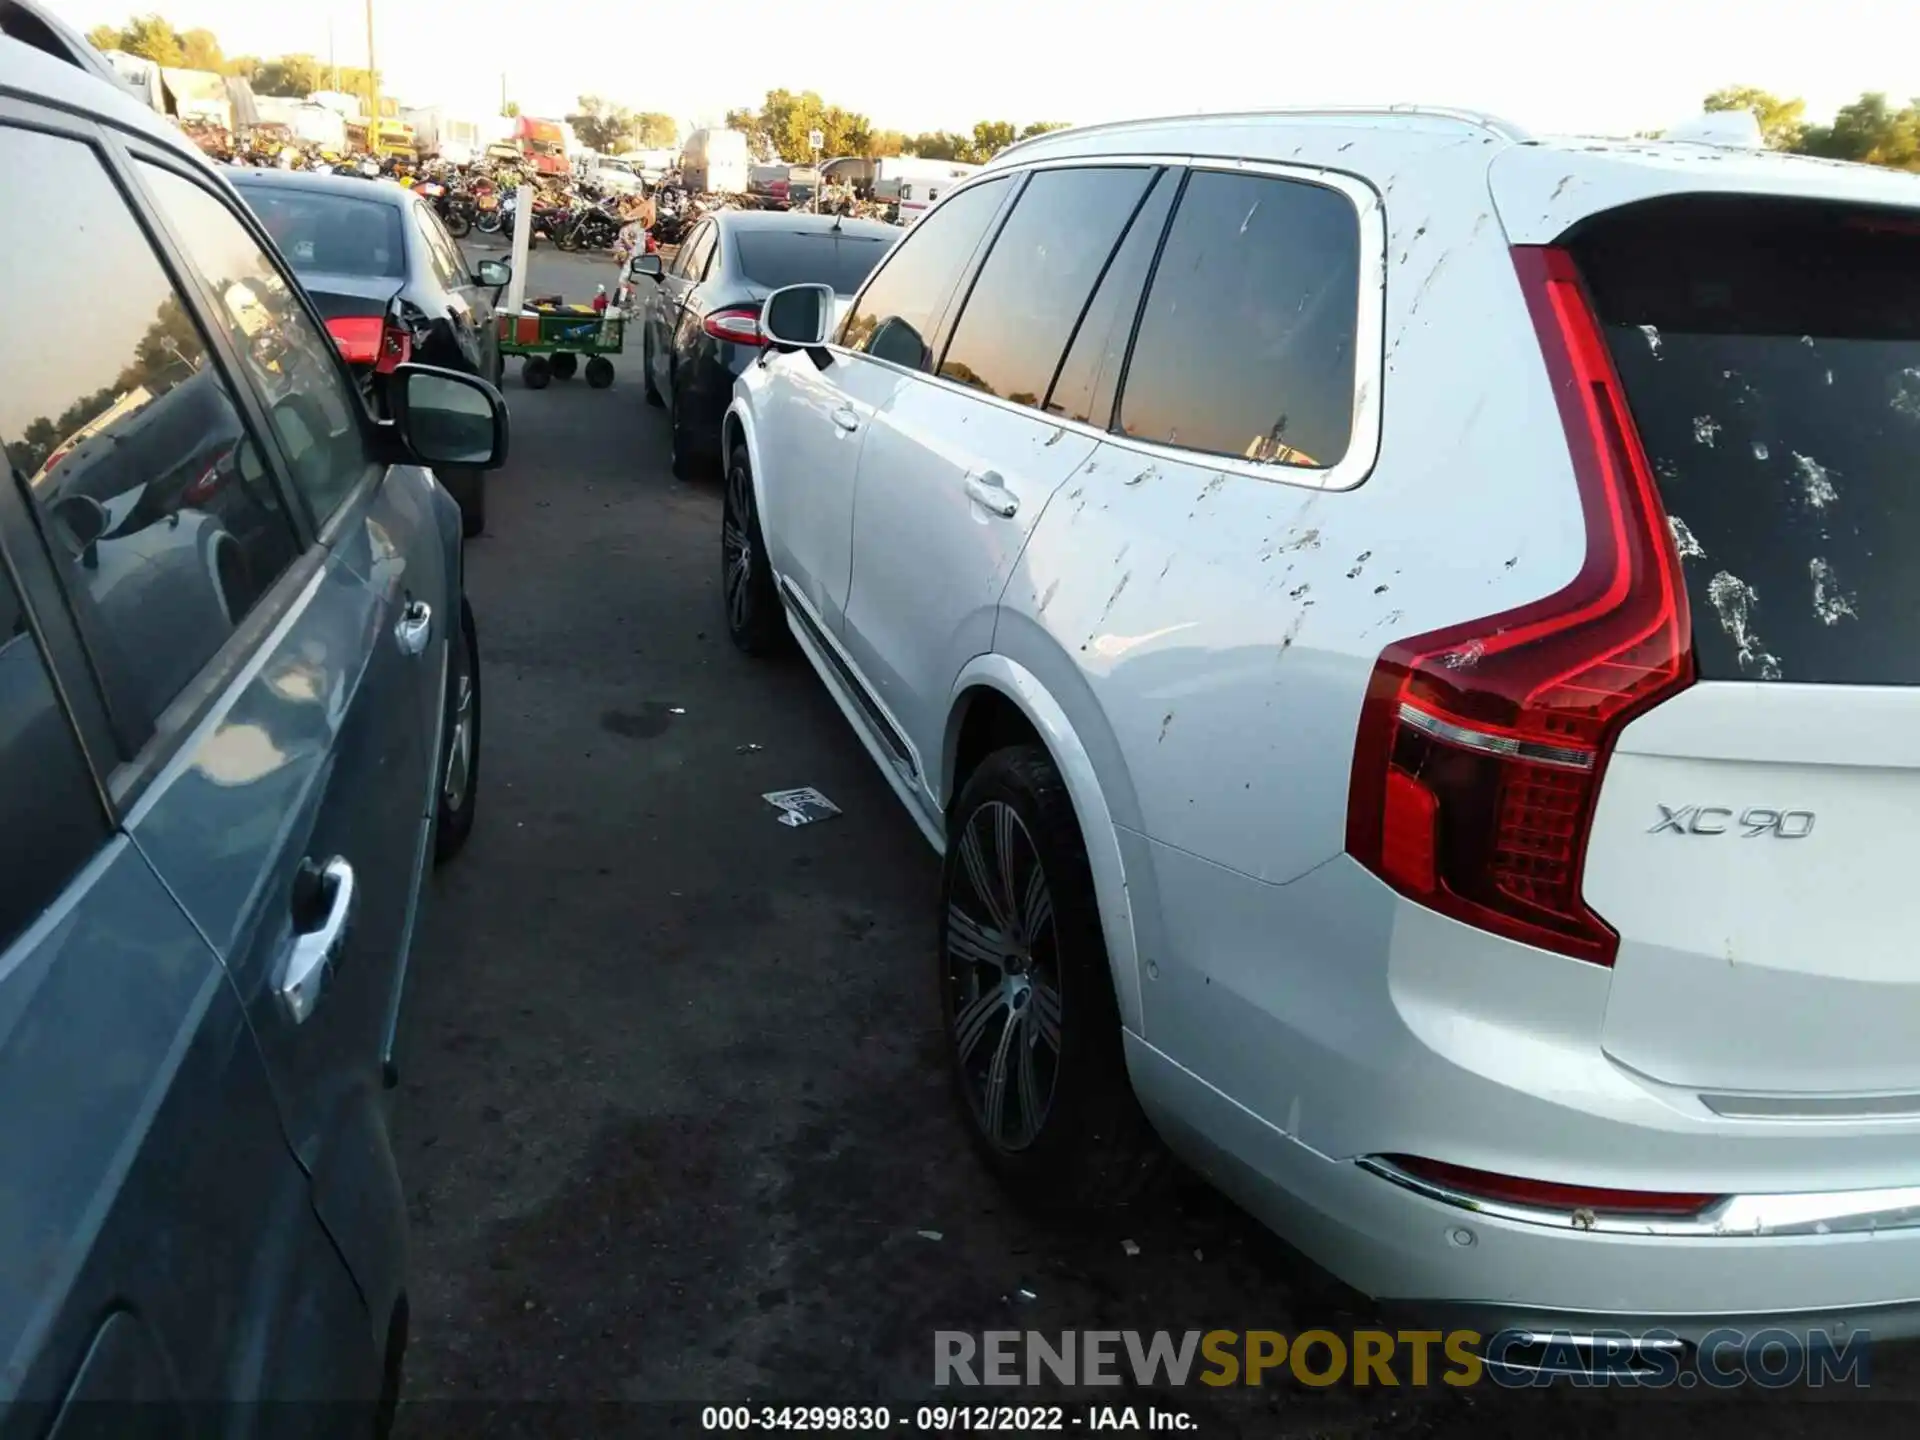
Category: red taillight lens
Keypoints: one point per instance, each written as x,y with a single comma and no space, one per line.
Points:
738,323
369,340
198,492
1548,1195
1481,747
358,337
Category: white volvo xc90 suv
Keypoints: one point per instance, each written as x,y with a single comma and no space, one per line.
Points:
1405,635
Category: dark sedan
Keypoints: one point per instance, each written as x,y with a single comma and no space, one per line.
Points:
391,284
702,322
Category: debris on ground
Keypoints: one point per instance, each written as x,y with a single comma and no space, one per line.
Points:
1025,1296
932,1235
802,806
1129,1247
748,749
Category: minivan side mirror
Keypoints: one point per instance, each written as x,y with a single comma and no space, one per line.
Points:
799,317
494,274
645,267
444,417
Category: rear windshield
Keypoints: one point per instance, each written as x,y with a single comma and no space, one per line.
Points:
331,234
790,257
1770,352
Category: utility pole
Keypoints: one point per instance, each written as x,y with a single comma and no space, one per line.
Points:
373,80
333,62
503,92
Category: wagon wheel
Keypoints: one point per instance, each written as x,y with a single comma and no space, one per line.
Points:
565,362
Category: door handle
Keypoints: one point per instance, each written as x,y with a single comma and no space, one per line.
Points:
846,419
314,953
414,627
989,490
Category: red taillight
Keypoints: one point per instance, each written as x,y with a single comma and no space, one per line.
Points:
369,340
1548,1195
1481,747
198,492
738,323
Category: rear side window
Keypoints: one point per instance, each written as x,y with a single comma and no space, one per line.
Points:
1038,277
288,359
50,818
778,258
1246,344
896,318
1770,352
162,522
331,234
1090,374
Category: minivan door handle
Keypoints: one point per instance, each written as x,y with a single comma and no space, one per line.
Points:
314,953
844,417
989,490
414,627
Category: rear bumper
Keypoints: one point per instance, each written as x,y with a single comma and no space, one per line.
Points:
1294,1032
1444,1267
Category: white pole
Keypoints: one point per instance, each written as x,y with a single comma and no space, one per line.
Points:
522,245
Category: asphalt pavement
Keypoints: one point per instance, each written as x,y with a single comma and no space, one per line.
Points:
672,1117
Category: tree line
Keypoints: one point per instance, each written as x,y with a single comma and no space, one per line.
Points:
781,125
1870,130
292,76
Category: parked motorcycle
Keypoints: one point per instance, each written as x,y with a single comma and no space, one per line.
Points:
589,227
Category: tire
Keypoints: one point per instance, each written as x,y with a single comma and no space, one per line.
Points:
469,489
754,621
568,240
565,365
459,787
458,223
599,372
646,374
535,372
1022,962
488,223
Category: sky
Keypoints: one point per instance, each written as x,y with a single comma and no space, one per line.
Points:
1548,65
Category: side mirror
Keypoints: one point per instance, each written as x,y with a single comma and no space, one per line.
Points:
85,520
645,267
494,274
799,317
446,418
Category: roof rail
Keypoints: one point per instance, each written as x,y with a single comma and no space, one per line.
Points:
1473,119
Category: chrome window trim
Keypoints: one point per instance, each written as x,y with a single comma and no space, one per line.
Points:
1369,349
1735,1217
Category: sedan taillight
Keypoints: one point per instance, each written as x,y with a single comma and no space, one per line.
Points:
738,323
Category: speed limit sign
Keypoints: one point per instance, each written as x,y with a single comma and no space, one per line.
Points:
816,139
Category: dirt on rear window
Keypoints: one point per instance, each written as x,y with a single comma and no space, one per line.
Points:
1770,351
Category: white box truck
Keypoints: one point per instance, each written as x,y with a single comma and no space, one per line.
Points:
715,160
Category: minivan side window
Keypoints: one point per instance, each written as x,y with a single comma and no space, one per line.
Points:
1246,345
162,522
894,319
288,360
50,817
1038,277
1090,374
